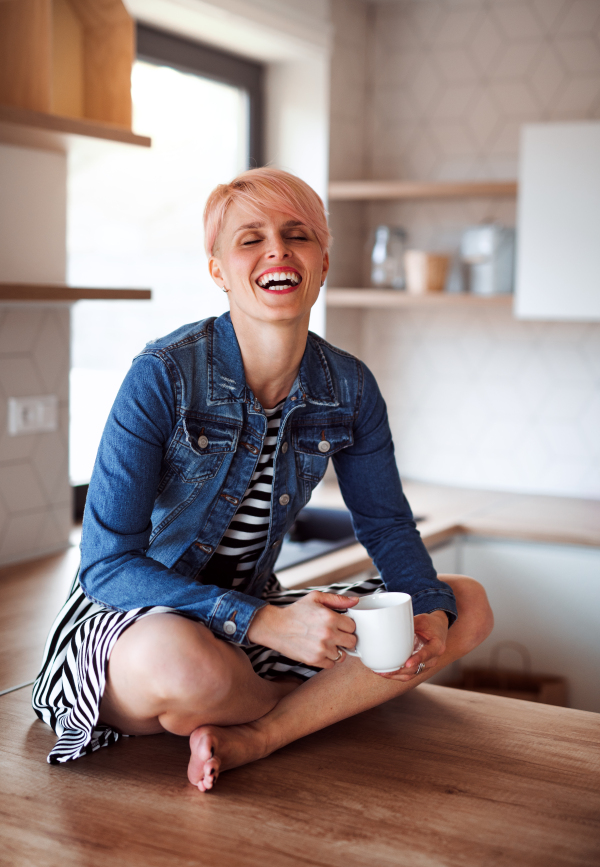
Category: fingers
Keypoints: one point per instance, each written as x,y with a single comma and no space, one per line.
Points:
332,600
338,655
426,656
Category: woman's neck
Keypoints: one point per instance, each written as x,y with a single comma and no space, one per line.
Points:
271,353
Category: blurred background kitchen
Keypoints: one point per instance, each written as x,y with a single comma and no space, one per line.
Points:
457,143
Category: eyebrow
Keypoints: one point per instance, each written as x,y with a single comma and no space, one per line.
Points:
258,225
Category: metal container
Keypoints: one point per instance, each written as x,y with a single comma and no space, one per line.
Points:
487,254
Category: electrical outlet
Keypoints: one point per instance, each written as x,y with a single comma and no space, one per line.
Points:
27,415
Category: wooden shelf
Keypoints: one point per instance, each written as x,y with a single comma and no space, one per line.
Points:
54,292
37,129
369,190
391,298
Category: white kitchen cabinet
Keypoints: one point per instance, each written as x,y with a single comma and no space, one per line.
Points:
558,225
546,597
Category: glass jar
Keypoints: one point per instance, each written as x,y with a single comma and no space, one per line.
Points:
387,258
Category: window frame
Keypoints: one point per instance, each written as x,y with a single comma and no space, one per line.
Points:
156,46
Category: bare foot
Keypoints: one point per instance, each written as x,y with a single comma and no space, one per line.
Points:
220,748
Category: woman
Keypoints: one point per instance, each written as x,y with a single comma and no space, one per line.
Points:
218,435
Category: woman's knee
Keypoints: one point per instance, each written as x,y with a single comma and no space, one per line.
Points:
177,659
475,615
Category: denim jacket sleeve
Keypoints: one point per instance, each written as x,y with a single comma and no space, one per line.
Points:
382,517
115,569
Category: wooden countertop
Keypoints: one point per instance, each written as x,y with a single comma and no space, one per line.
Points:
451,511
437,777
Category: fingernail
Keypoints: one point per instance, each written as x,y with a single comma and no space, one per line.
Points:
212,752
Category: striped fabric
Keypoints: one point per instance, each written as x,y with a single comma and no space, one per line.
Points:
69,688
245,538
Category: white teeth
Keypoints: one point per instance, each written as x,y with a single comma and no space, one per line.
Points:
290,278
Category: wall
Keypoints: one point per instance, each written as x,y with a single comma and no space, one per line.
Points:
475,398
35,495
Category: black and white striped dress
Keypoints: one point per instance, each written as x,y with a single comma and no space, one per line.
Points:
245,538
70,685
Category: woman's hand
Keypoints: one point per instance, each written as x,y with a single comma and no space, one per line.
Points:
308,630
432,629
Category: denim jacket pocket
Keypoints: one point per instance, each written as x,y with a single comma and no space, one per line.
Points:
200,447
314,443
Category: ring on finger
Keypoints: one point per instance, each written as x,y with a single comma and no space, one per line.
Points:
420,668
340,654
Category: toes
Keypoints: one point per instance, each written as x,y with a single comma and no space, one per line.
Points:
211,774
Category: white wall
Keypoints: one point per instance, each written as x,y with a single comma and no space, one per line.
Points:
35,495
33,211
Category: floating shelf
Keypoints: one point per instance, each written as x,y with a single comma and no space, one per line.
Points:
50,292
369,190
37,129
390,298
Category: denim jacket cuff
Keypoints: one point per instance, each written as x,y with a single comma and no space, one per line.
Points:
233,615
426,601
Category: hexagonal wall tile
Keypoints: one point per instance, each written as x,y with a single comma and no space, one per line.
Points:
18,329
517,21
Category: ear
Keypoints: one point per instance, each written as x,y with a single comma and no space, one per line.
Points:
216,272
325,268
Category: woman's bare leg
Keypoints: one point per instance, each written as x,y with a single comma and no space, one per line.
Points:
169,673
330,696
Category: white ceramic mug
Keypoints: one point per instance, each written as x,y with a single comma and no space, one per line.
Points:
384,630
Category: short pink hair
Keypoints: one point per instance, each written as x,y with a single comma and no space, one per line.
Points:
266,188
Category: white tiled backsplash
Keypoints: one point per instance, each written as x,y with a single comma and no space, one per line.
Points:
438,89
477,398
35,494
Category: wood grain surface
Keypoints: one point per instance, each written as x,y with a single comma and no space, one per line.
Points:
31,595
355,190
391,299
38,129
438,777
55,292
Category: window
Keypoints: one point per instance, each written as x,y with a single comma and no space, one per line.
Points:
135,217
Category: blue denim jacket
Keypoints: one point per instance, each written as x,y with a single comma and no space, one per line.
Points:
159,503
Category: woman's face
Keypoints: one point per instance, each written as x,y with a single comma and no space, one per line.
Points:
271,265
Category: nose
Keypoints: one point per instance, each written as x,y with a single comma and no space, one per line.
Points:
278,248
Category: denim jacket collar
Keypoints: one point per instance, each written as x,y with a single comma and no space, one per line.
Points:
227,382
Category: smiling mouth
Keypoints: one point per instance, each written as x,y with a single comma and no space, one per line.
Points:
279,281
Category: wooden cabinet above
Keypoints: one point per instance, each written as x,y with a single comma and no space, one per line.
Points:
65,69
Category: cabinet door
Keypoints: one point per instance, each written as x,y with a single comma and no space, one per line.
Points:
558,226
445,558
546,597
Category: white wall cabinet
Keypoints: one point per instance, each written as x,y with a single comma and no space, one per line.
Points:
558,224
547,597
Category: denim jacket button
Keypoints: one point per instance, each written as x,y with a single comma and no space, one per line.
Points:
284,499
203,441
324,446
229,627
284,448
